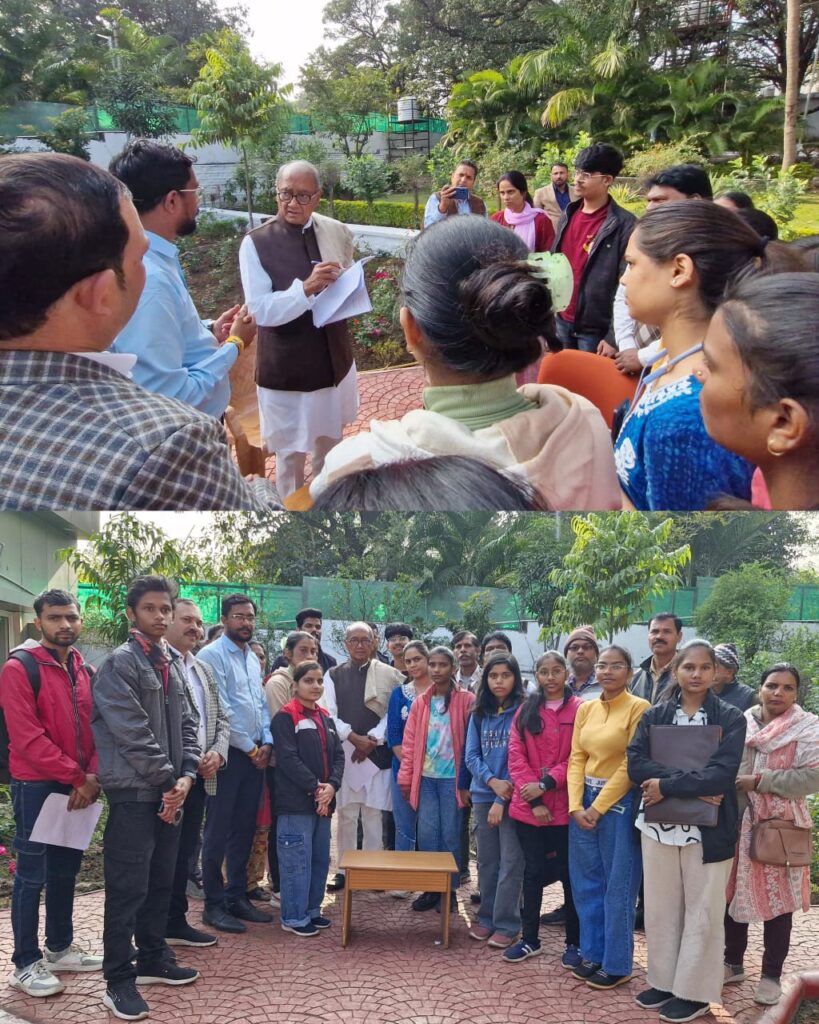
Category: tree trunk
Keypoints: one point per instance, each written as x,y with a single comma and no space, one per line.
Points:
791,84
248,190
415,191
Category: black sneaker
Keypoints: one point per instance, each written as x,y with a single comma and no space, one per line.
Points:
321,922
306,931
554,917
243,911
681,1010
603,981
653,998
337,883
123,1000
184,935
166,972
586,970
426,901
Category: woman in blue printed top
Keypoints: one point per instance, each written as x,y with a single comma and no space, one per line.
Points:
500,858
416,667
680,259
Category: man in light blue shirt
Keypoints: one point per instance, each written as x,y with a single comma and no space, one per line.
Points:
178,354
231,816
449,203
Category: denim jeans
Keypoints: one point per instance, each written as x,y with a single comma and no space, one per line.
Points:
303,842
140,863
500,871
230,828
605,866
40,866
439,820
405,819
570,338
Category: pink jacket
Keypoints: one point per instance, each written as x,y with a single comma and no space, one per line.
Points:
413,749
549,751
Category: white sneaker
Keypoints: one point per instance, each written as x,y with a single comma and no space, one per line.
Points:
768,991
275,900
72,959
399,894
36,980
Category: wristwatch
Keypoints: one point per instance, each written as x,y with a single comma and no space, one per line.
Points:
542,787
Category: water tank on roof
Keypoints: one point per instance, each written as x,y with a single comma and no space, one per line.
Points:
409,109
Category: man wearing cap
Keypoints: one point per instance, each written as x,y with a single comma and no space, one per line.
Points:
654,674
581,650
726,686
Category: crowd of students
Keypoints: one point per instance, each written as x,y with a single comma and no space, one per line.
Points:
566,777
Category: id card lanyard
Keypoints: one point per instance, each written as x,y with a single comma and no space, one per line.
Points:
648,375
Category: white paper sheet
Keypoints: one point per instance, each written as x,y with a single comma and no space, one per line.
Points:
345,297
357,774
58,826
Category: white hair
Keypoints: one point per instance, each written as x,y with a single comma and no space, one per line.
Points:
298,167
359,625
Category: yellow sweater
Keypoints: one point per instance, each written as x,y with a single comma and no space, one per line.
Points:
602,731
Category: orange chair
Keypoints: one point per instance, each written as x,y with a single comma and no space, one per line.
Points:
592,376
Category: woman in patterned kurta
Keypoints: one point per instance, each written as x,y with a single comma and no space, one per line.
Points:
680,259
779,769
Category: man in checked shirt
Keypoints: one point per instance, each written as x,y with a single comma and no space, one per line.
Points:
75,431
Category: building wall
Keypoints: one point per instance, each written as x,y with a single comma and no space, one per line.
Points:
29,564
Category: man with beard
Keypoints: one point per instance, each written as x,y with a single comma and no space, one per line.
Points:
357,694
146,735
178,354
309,620
581,650
183,635
231,814
51,750
654,674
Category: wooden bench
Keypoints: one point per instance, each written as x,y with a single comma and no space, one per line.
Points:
385,870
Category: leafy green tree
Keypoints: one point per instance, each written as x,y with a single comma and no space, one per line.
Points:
537,544
330,166
124,548
746,607
367,178
617,562
340,103
413,176
236,98
68,134
131,96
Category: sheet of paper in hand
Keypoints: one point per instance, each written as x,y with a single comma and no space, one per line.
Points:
345,297
58,826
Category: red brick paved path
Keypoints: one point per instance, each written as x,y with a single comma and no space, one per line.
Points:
384,395
391,973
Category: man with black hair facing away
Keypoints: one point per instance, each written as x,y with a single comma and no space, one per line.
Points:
51,750
178,354
593,233
146,733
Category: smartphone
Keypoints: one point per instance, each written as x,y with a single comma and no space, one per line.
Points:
177,818
462,194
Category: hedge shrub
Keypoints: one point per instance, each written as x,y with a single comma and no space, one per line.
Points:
385,215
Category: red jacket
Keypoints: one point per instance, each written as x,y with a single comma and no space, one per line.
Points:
413,749
544,232
549,750
50,741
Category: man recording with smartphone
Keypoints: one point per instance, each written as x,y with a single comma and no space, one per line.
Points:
146,732
456,198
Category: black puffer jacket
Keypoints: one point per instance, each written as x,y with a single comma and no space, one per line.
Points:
604,267
308,752
717,777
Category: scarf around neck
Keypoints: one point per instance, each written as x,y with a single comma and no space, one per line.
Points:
523,223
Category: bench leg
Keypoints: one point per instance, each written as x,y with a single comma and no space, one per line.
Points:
346,912
445,911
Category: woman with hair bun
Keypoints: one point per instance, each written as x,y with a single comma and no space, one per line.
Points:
519,214
760,390
473,315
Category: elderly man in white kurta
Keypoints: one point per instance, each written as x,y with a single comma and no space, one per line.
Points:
357,694
305,375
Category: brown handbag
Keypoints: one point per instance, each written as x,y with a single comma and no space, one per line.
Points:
780,842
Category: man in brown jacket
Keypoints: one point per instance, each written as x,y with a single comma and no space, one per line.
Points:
305,375
556,196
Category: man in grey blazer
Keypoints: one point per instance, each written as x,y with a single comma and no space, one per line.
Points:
184,633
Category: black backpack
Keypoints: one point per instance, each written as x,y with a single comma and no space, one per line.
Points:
32,667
